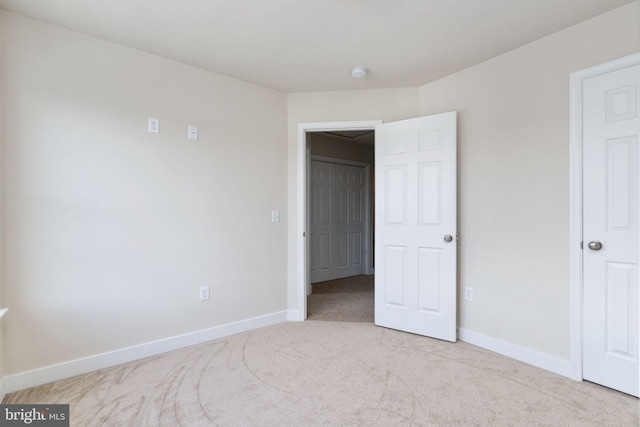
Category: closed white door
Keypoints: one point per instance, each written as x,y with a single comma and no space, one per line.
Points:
337,220
415,248
611,127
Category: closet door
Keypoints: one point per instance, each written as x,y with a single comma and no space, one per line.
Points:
337,220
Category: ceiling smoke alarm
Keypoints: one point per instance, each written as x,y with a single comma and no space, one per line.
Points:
359,72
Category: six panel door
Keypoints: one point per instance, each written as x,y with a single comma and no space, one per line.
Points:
611,127
337,220
415,249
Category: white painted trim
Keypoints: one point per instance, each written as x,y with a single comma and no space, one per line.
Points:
575,201
301,249
575,226
523,354
368,241
307,242
88,364
293,315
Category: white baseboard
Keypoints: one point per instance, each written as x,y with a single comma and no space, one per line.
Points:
523,354
59,371
294,316
2,390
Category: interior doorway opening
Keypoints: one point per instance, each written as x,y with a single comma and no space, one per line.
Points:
338,144
340,201
415,190
340,225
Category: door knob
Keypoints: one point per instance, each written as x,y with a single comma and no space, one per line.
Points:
594,245
448,238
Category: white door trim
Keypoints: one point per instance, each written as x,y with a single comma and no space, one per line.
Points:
368,260
301,258
575,201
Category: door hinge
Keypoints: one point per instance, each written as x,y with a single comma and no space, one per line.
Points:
582,245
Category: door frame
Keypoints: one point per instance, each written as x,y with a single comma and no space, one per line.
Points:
576,80
302,258
366,200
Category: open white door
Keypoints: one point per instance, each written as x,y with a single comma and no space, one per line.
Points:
415,248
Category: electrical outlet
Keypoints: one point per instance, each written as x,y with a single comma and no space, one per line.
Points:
468,293
192,132
204,293
275,216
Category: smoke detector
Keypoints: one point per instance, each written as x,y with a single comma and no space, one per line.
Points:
359,72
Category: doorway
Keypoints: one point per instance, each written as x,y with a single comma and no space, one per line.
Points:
340,226
305,132
605,123
415,160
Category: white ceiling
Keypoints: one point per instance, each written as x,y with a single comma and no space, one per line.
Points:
311,45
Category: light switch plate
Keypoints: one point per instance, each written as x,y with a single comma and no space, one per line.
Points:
154,125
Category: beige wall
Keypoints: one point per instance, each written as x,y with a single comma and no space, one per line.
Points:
379,104
513,165
109,231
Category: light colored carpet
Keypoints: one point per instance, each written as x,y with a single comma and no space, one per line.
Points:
332,374
343,300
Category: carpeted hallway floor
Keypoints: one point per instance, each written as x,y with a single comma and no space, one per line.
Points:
342,300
